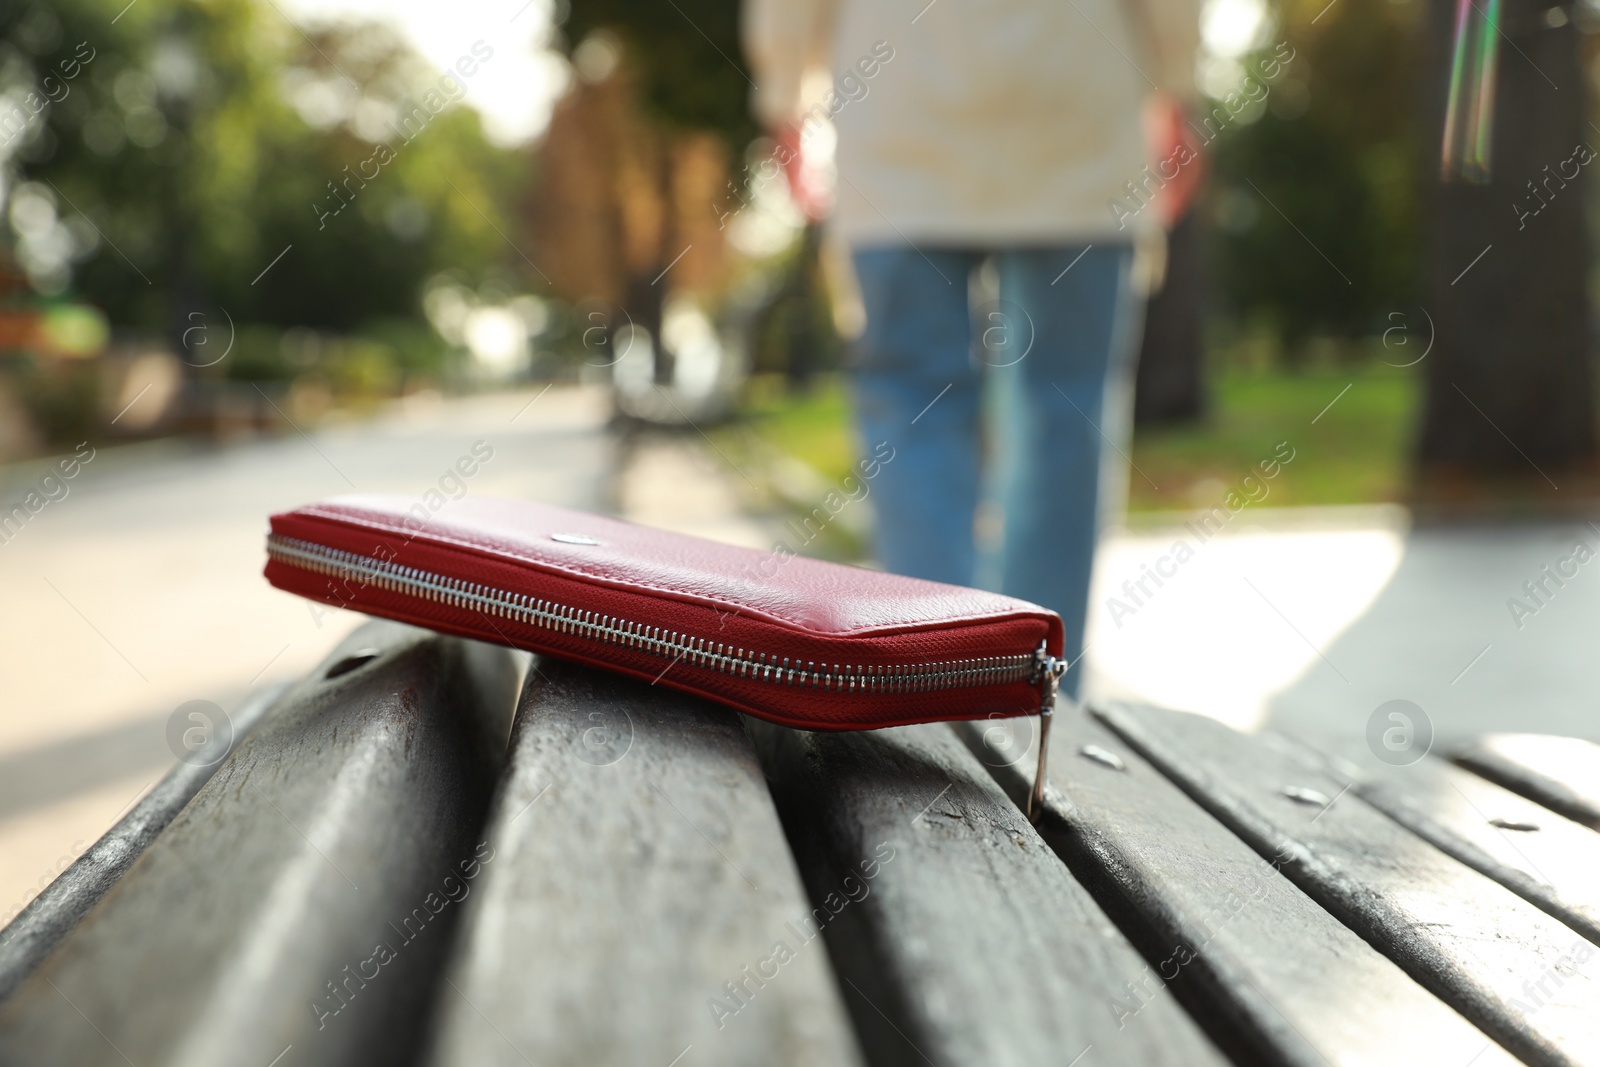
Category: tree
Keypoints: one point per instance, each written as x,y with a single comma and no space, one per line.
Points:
1315,191
1510,392
686,58
627,208
203,139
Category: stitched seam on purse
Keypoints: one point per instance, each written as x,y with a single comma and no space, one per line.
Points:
631,585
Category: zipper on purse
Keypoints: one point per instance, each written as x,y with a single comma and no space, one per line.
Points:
1036,667
1047,672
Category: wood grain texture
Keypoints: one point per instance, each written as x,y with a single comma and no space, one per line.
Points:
972,943
1548,860
52,915
1562,773
247,930
1271,974
640,879
1527,980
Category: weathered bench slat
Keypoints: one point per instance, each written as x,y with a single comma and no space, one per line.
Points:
1548,860
639,890
51,916
299,904
960,937
1274,976
1524,978
1562,773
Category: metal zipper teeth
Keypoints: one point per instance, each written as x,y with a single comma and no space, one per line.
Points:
670,644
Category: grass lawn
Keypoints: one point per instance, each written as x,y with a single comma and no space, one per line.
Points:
1354,453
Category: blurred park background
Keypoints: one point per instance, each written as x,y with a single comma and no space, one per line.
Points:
255,252
235,217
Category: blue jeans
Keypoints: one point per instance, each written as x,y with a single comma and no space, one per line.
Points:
1057,349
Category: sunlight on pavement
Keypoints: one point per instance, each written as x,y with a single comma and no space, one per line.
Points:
678,486
1250,613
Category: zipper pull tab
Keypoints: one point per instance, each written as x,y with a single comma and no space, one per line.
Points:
1047,675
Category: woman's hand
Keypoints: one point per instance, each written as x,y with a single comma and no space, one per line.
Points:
1176,156
805,189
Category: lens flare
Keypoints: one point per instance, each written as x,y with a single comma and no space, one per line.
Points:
1465,154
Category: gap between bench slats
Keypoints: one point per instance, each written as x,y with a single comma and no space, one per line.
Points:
1520,975
959,936
639,906
1271,974
1562,773
298,908
1548,860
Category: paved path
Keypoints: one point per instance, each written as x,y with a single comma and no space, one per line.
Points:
142,589
1309,620
1303,619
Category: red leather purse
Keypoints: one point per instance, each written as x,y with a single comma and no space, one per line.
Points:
798,641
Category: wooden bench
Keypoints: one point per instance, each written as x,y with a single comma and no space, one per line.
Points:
376,875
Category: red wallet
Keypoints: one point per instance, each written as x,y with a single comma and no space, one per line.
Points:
798,641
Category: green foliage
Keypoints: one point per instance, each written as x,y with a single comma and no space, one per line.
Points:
1355,452
206,137
373,360
258,356
793,329
686,57
815,426
1338,153
64,397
